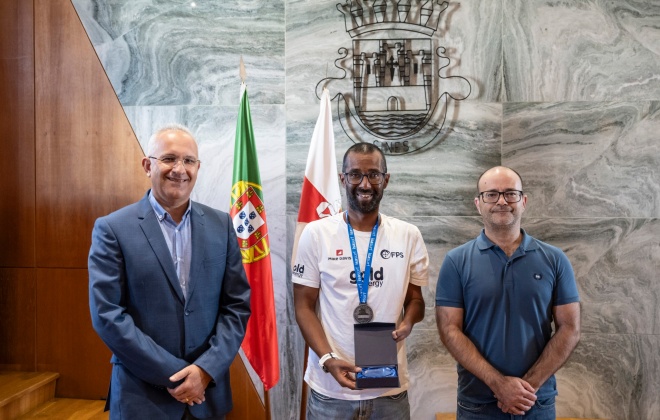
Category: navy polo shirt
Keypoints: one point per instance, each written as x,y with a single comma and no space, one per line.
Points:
507,305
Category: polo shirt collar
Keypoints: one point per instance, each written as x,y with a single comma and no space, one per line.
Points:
528,243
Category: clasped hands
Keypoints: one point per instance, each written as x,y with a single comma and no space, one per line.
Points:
515,395
191,390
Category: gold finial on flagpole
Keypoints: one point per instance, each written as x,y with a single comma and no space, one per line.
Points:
241,70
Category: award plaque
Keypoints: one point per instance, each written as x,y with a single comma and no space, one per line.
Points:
376,354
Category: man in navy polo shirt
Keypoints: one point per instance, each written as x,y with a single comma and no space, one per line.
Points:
496,299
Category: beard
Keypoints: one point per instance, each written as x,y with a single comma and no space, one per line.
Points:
502,221
361,206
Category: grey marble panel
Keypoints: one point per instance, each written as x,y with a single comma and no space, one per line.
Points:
190,55
468,30
106,20
292,359
471,32
290,319
433,377
616,263
315,31
441,234
606,377
215,131
285,396
646,395
439,180
586,159
581,51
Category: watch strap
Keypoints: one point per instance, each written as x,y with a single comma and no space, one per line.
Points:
325,358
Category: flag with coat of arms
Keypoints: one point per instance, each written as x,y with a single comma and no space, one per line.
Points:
320,195
249,217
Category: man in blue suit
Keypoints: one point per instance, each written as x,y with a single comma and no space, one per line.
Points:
168,293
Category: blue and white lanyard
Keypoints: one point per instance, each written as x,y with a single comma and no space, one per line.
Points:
362,281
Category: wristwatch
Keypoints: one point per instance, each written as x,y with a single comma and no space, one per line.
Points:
325,358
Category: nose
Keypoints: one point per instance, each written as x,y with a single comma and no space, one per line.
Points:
178,166
365,184
501,201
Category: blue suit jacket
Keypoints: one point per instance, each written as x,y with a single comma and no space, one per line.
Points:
138,309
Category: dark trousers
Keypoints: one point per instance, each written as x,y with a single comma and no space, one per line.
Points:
188,416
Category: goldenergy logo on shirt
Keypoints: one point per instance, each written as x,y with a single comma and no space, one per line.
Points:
298,270
376,277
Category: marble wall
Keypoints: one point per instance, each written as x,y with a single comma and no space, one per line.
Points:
567,93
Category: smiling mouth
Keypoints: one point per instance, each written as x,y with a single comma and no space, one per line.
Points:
177,180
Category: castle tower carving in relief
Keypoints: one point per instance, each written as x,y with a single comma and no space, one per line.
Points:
399,94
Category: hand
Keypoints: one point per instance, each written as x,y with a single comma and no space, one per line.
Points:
191,391
514,395
343,372
402,332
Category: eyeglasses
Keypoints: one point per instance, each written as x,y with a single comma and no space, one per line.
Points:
171,161
355,178
512,196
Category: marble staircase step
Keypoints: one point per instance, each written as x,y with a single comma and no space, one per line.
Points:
68,409
21,392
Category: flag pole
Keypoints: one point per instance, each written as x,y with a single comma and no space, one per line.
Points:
241,70
305,388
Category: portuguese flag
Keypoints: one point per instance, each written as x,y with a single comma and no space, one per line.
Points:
249,216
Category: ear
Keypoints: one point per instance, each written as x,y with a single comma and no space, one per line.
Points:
477,203
342,179
146,165
386,180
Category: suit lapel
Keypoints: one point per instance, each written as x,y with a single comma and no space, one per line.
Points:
154,235
197,261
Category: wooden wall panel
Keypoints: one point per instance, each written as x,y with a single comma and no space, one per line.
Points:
247,403
87,159
17,127
72,157
66,341
17,319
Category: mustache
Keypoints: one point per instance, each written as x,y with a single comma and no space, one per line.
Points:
364,190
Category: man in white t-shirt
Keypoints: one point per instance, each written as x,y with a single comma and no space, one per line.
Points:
327,291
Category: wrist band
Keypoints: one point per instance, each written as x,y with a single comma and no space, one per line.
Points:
325,358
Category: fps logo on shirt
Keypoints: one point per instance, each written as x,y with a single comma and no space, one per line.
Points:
298,270
385,254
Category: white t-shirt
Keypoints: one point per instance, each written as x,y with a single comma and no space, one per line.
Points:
324,261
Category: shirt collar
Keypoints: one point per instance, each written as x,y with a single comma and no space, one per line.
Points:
161,214
528,243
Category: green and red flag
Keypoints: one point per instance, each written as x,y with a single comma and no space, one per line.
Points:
249,217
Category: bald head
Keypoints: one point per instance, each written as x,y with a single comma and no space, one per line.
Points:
155,137
485,179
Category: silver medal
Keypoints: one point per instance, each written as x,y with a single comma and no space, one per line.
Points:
363,314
